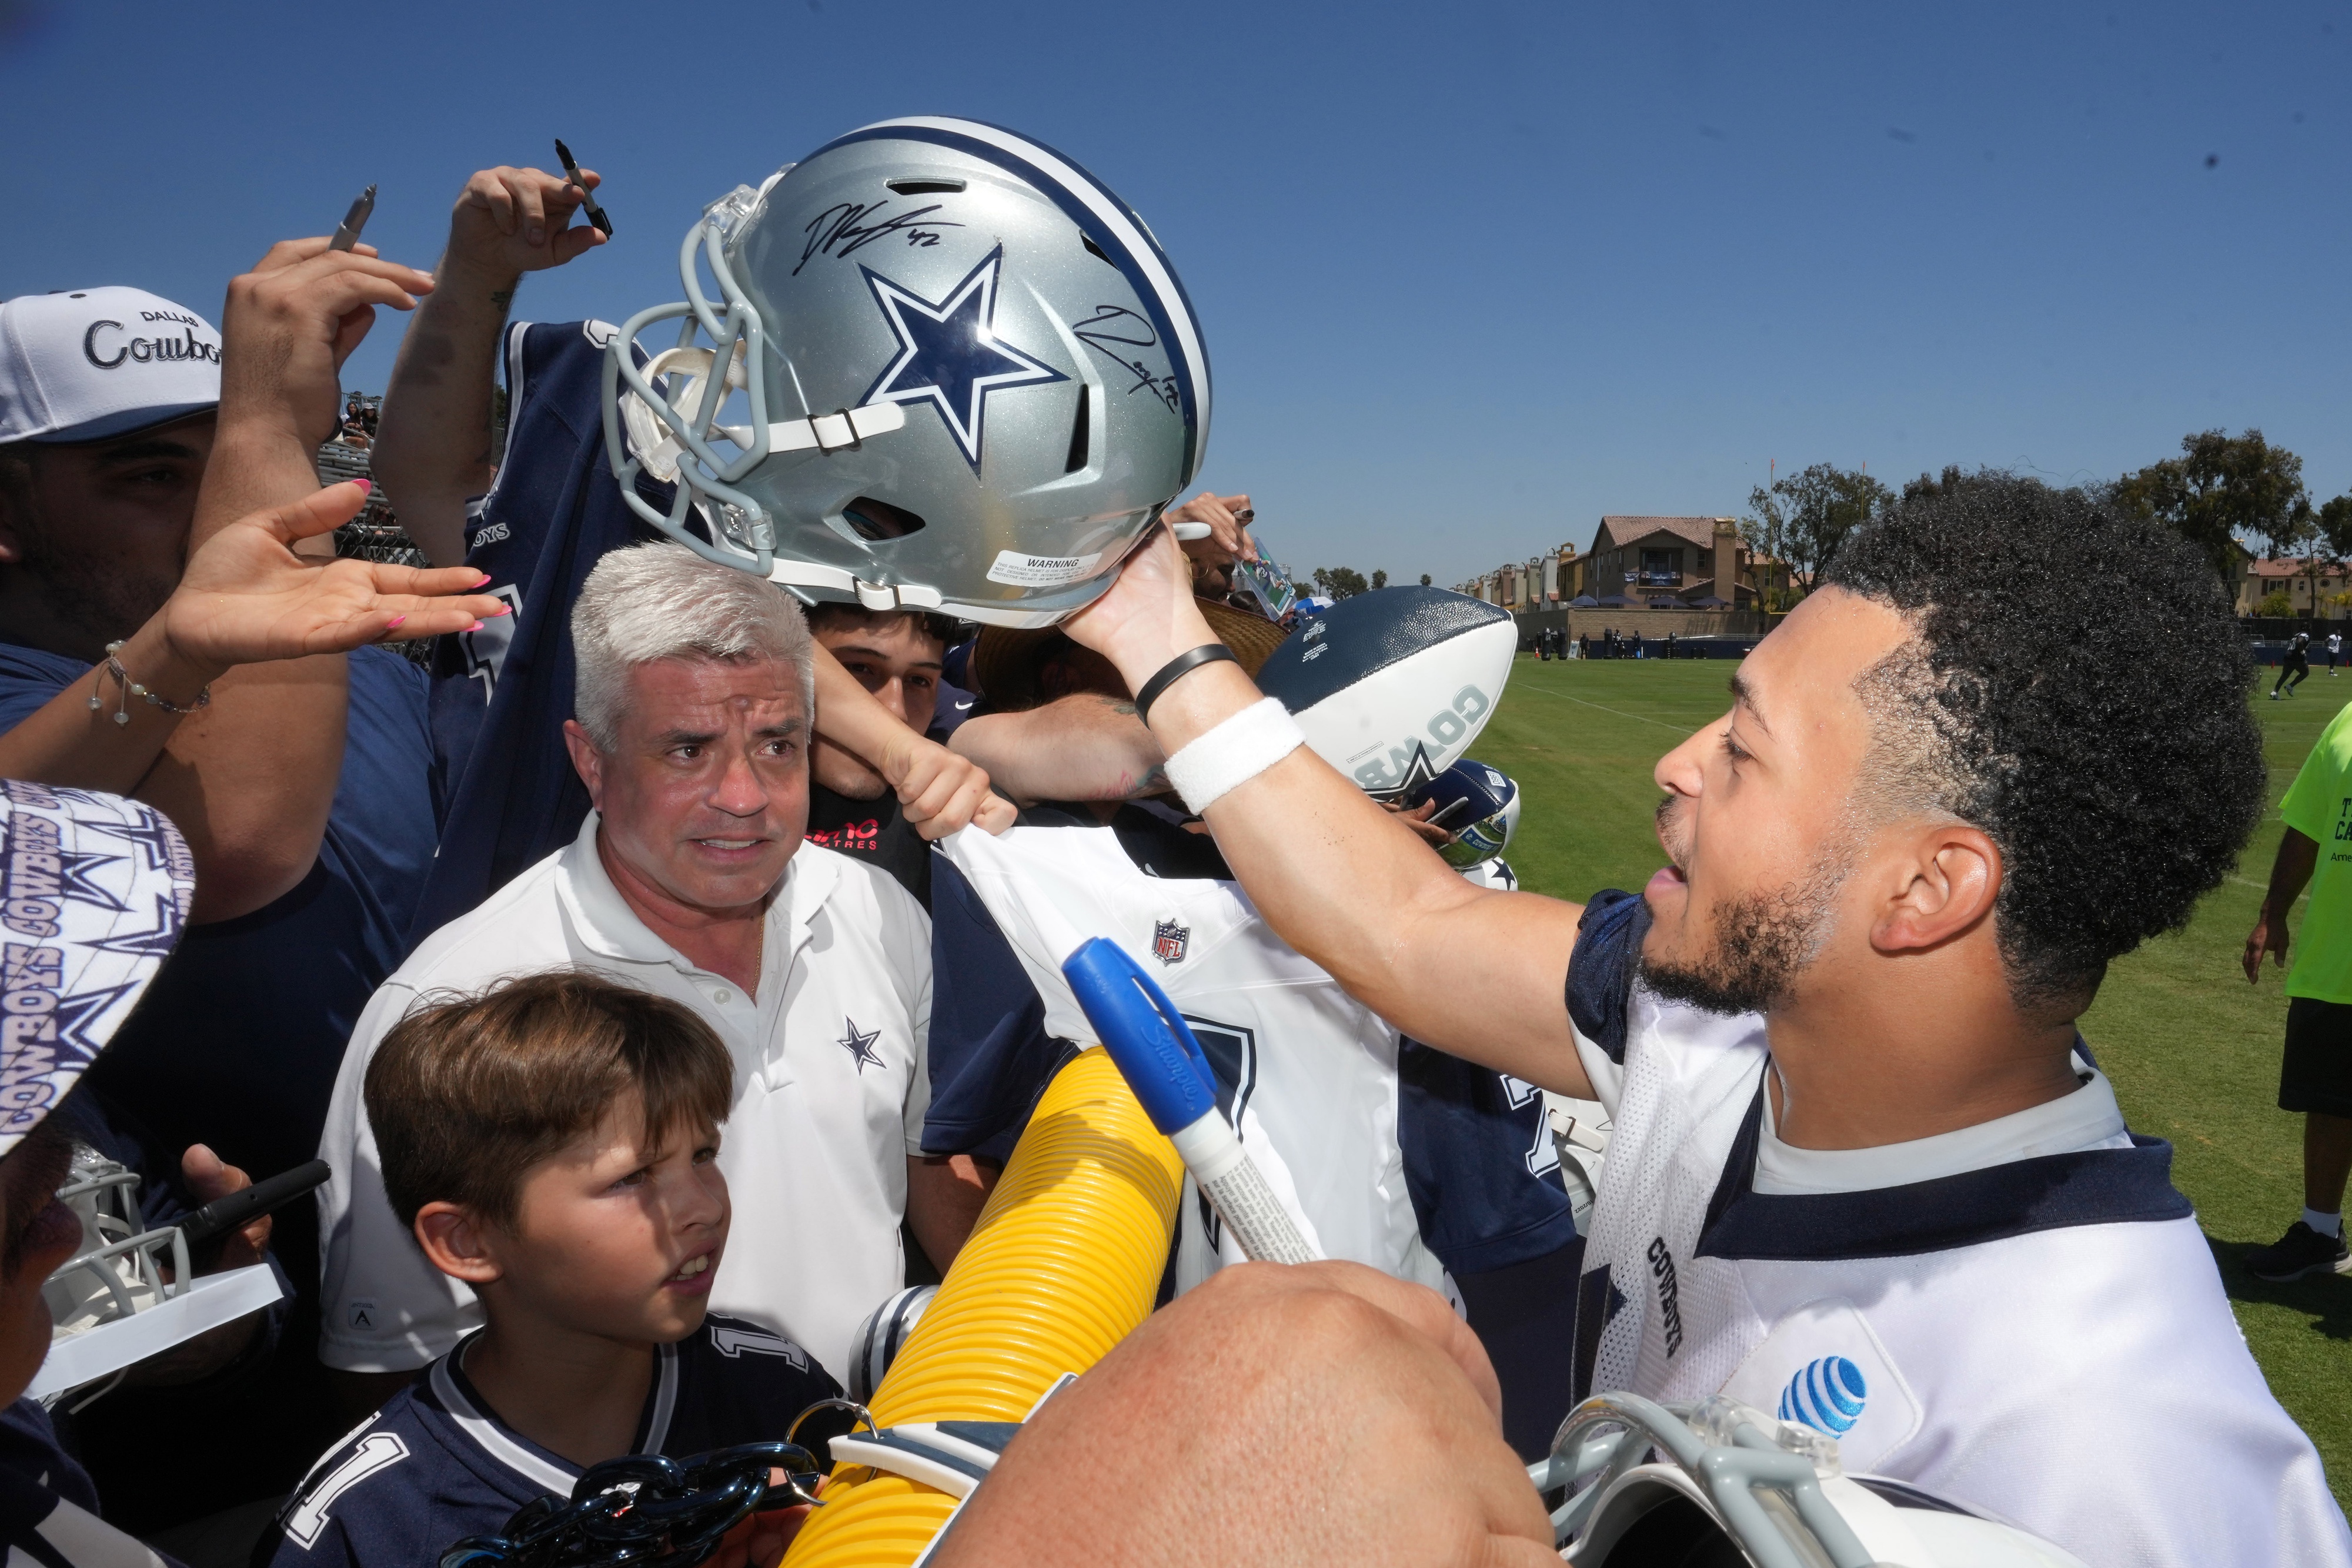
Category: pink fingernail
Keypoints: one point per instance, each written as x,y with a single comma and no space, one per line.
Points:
502,610
481,580
394,621
365,485
475,627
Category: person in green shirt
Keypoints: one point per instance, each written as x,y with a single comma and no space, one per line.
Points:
2315,1078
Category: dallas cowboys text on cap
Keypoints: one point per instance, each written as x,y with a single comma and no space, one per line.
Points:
90,363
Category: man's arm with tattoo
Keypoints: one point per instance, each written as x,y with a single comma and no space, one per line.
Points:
432,449
1081,747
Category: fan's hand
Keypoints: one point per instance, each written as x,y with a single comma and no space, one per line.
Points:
510,220
940,791
247,597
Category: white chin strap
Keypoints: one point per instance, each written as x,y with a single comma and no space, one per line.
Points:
657,448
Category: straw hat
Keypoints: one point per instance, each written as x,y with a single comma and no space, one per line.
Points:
1006,662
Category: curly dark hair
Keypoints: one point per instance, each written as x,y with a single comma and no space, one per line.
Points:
2078,692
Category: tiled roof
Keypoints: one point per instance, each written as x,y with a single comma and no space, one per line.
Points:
1624,529
2291,568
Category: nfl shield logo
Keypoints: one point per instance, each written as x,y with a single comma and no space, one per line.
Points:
1168,940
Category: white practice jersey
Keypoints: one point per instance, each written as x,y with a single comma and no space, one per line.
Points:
1309,1076
2021,1317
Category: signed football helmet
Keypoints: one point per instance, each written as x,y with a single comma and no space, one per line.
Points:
1478,805
945,368
1721,1485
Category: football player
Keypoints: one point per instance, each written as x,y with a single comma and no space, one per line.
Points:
1865,1173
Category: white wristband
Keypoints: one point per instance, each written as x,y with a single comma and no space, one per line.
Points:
1234,752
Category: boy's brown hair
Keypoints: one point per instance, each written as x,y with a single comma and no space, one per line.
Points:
468,1092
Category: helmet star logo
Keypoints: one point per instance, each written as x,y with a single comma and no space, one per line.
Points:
949,354
860,1046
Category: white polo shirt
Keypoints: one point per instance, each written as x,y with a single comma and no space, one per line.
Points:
831,1084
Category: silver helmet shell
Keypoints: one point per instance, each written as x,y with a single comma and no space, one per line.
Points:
958,373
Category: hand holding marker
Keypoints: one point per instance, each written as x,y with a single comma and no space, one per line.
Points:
1165,1066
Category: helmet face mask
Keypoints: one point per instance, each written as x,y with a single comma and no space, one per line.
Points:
960,375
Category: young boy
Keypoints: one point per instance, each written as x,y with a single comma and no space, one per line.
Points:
551,1143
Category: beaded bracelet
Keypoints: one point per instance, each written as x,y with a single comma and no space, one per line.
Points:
131,689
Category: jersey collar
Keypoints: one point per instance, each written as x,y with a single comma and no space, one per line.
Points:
540,1471
1967,1208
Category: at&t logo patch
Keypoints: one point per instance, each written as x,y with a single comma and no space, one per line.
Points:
1827,1396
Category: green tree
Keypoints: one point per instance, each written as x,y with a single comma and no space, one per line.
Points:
1380,579
1424,580
1341,581
2275,605
2223,489
2334,520
1803,518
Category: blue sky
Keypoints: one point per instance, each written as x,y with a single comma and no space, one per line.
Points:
1472,275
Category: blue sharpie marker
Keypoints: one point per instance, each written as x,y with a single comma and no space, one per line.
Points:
1165,1066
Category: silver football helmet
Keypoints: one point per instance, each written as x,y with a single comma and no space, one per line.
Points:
1722,1485
946,368
121,1266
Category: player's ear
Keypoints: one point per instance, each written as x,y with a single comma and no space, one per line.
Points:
1945,884
458,1243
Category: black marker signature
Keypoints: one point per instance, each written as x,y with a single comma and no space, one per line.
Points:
1116,324
841,229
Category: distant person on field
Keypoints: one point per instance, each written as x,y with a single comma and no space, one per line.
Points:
2335,650
2315,1077
2294,668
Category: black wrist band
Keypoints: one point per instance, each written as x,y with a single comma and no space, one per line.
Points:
1175,670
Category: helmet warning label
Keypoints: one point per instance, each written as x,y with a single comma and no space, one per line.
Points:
1021,570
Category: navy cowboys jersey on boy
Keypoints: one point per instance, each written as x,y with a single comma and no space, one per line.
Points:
435,1464
2021,1317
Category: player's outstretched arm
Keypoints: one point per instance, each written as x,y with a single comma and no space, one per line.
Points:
1313,1413
1476,973
1083,748
433,444
937,790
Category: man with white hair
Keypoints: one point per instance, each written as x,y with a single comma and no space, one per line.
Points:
690,880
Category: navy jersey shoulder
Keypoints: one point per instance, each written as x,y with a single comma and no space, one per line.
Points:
989,1055
508,794
1479,1163
435,1465
1601,970
398,1490
741,1383
29,1449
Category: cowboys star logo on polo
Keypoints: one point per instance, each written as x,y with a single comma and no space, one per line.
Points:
860,1044
949,354
1169,941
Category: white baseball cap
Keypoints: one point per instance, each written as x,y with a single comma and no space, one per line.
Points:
94,893
96,363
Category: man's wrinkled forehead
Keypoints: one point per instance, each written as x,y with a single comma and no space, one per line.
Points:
663,692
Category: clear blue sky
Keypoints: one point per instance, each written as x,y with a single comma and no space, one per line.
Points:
1472,275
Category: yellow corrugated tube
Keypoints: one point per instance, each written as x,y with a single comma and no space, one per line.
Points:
1064,1262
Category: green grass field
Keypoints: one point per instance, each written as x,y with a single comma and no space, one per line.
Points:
2193,1048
